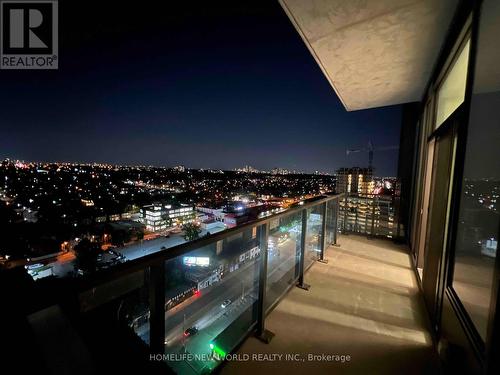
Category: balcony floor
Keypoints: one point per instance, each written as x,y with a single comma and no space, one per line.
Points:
364,303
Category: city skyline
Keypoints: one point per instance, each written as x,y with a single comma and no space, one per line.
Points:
207,87
246,168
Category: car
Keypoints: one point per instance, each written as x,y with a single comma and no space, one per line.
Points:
226,303
190,331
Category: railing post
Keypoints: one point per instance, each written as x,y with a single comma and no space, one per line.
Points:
372,234
261,332
397,206
323,234
335,218
356,217
345,213
157,308
303,233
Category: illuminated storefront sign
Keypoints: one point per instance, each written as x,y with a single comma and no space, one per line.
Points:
196,261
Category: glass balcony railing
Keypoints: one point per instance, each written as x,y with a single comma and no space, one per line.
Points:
369,214
283,256
194,303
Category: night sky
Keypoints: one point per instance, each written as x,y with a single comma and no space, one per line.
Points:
212,85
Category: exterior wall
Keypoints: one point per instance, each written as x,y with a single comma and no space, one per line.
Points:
407,162
215,225
355,181
466,343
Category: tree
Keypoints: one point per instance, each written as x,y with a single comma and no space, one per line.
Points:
86,255
191,231
139,234
119,237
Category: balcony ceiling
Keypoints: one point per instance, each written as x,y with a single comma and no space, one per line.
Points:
373,52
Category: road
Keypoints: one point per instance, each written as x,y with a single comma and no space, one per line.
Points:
206,313
233,285
212,319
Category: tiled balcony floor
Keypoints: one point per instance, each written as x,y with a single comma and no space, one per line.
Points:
364,303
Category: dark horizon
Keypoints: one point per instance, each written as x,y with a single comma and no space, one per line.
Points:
207,86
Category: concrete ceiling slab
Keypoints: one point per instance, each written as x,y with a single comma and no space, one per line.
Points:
373,52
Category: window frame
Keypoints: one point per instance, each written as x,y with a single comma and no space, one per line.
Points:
470,34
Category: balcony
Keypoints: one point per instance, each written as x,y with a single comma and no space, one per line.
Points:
364,306
189,308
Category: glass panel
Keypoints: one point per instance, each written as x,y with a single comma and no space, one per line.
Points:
424,207
283,255
417,160
452,91
384,224
313,237
374,215
134,309
477,234
125,299
210,301
331,222
355,214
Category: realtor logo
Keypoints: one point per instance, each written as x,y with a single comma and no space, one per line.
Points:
28,34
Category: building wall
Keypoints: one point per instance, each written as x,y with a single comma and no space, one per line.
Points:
355,181
460,278
407,162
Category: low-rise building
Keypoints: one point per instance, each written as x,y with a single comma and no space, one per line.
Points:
159,216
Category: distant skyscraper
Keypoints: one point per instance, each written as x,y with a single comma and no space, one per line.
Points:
281,171
248,169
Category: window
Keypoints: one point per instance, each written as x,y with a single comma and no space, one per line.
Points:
479,214
451,93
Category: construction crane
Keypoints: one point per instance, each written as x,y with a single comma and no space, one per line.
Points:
370,149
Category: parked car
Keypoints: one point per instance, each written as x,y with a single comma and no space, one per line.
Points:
226,303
